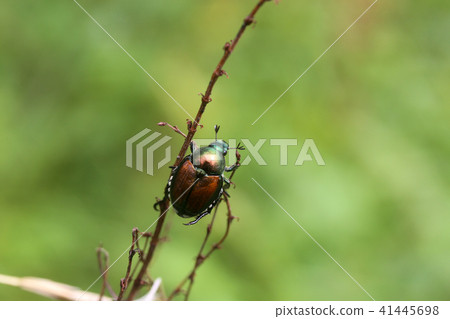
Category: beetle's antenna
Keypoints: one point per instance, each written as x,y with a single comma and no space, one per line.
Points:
216,128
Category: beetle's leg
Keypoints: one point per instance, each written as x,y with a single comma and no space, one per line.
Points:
224,190
198,218
232,167
226,194
227,183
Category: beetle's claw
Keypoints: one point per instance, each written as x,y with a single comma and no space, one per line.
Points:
240,147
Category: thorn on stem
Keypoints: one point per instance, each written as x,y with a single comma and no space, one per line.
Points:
223,72
206,99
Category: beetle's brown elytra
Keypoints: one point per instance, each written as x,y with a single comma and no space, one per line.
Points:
196,184
188,203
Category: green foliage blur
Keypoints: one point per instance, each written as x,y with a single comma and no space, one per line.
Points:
376,105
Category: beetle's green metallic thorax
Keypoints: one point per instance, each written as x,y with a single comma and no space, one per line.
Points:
211,158
211,161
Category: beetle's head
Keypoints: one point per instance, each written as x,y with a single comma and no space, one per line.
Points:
221,146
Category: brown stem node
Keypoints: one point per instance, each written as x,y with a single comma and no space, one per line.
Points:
206,99
223,72
227,47
248,20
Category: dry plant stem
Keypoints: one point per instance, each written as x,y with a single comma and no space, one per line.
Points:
104,274
175,128
200,257
164,204
214,247
124,281
137,283
206,97
103,265
141,256
50,289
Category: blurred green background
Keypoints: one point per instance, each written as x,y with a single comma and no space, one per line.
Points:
376,106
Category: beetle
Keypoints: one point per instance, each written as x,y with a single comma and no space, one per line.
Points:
197,183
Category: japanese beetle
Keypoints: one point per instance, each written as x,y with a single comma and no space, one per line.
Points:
196,184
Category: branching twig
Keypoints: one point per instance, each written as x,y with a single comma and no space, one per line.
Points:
137,283
175,128
200,257
103,265
218,72
147,236
164,204
198,260
124,281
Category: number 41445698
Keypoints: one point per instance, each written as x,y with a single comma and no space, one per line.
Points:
409,310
